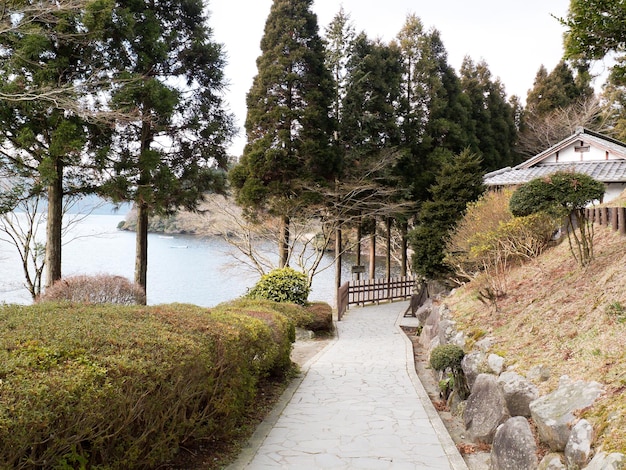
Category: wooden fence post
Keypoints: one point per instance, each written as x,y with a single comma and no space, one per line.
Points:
614,218
621,220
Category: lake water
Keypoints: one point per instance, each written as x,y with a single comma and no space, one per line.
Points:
181,268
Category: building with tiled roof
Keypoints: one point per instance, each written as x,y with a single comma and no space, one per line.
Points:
599,156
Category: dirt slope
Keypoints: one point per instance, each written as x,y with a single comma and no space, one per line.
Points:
570,319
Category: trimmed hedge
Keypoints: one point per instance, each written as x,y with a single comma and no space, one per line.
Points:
116,387
282,285
315,316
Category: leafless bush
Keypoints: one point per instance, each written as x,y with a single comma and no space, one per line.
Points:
98,289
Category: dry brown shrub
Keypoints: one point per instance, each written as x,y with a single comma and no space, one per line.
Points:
98,289
490,241
482,216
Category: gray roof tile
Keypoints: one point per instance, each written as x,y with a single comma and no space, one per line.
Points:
611,171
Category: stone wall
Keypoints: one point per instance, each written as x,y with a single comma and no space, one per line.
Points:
504,406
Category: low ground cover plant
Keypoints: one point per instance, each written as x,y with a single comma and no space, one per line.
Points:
112,387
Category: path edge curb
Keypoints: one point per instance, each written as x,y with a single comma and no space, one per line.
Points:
251,448
449,447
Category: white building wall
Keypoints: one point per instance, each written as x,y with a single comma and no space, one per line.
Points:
569,154
613,190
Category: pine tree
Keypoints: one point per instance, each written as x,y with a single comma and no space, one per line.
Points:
339,40
557,89
167,81
370,123
288,126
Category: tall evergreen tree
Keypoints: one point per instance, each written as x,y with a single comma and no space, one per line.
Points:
47,65
168,82
493,129
459,181
557,89
369,123
288,126
433,111
559,101
339,40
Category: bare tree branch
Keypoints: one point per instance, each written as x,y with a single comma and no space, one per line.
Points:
544,131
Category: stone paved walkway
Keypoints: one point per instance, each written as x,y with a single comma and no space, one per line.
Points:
358,405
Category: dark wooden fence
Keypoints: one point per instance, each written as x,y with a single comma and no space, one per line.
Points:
373,291
614,217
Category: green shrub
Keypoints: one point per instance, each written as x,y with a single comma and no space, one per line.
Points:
282,285
565,195
103,386
488,233
98,289
447,358
316,316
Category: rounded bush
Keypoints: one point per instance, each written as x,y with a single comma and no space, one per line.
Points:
446,356
282,285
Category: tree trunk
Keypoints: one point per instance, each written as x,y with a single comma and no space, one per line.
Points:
141,247
143,210
338,256
283,243
54,226
373,255
359,235
404,249
388,260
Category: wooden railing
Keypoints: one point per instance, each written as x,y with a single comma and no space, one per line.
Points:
614,217
373,291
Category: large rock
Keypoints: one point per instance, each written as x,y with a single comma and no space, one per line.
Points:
496,363
424,311
603,461
485,344
485,409
514,447
539,373
553,414
518,393
578,448
447,330
552,461
430,330
473,364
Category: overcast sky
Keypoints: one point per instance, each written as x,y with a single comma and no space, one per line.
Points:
513,37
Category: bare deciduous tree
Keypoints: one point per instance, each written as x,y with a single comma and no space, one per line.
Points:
313,228
543,131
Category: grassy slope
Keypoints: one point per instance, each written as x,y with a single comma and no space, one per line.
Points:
560,315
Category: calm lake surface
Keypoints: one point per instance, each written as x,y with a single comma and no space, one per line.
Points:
181,268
